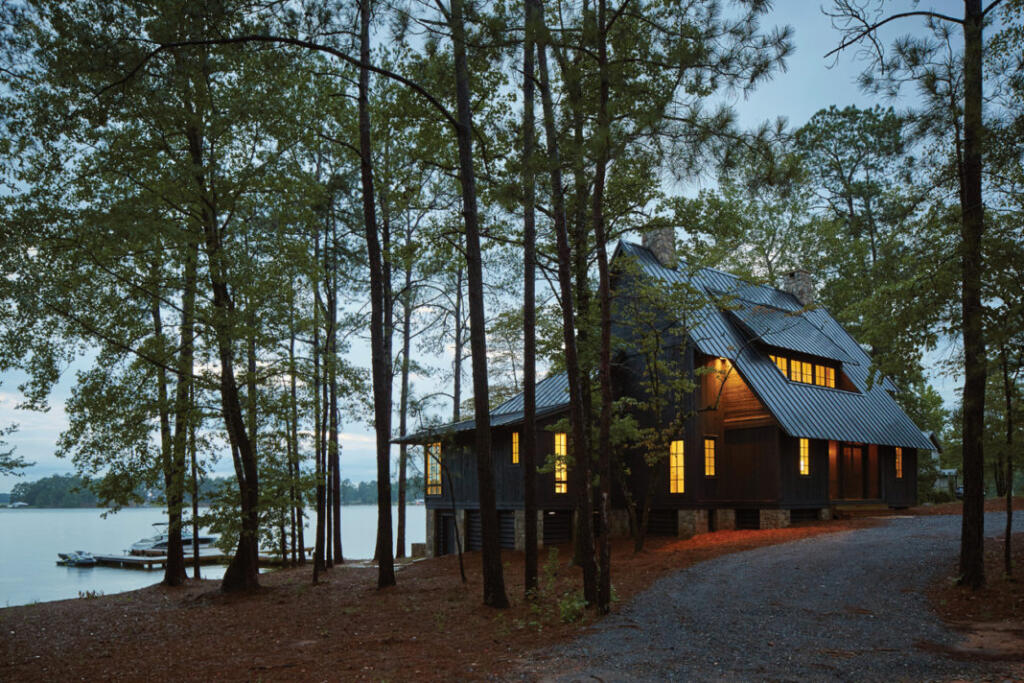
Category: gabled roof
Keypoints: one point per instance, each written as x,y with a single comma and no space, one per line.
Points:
552,397
803,410
757,314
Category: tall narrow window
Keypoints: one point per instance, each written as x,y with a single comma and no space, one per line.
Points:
675,467
819,375
805,457
899,462
709,457
433,469
515,448
561,468
780,363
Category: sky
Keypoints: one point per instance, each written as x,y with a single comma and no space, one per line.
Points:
810,83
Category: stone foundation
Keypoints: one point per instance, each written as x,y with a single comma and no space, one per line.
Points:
520,529
691,522
725,519
825,514
774,519
431,543
418,550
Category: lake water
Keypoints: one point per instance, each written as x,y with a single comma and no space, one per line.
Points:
31,538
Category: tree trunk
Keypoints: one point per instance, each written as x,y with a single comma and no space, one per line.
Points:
334,447
174,569
319,551
298,540
572,365
457,363
381,353
604,295
528,437
404,403
972,564
494,581
1008,390
196,573
183,404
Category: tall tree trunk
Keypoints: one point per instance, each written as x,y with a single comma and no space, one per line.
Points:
1008,391
579,443
319,551
334,447
381,347
196,573
183,404
494,581
528,438
457,364
298,540
604,446
403,407
174,569
972,564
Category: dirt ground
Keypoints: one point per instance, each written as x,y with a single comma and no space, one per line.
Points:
429,626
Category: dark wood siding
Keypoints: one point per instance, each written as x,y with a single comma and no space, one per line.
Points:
798,490
507,529
747,468
898,492
557,526
474,530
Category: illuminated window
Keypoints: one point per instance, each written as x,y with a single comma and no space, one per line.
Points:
805,456
799,371
433,469
561,468
780,363
675,467
899,462
709,457
825,376
515,448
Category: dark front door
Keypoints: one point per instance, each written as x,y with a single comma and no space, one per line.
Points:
851,472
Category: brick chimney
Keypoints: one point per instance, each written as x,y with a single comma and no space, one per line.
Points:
662,243
800,285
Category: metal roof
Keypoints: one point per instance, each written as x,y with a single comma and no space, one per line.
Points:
869,415
757,313
552,396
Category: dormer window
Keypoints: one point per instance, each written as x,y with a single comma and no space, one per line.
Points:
805,372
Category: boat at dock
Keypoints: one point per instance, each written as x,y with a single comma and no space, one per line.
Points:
157,545
76,558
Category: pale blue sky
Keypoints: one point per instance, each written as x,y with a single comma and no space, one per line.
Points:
808,85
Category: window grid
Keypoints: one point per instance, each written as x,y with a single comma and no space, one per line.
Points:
801,371
780,363
675,467
561,467
433,455
805,457
515,448
899,462
709,457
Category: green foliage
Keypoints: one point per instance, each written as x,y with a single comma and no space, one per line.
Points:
56,491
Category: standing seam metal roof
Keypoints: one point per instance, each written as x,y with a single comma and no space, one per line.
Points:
803,410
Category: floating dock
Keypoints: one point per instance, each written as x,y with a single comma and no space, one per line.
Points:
150,562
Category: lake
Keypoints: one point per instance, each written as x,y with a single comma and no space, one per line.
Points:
31,538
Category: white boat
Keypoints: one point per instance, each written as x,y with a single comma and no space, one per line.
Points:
77,558
157,545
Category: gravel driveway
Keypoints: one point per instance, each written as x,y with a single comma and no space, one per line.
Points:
844,606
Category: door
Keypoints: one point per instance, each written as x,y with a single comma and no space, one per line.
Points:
852,472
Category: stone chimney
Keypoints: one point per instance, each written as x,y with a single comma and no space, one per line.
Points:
662,243
800,285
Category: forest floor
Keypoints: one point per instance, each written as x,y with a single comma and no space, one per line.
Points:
430,626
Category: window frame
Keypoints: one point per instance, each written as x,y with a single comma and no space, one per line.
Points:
515,448
677,467
561,471
433,485
712,471
899,462
804,457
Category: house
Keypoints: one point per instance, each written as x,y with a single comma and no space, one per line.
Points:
782,423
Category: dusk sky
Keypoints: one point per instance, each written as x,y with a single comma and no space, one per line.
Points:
808,85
